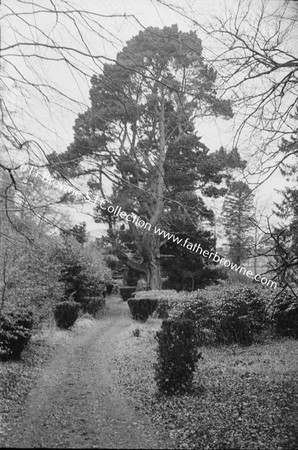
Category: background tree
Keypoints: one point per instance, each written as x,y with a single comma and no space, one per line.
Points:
285,236
77,231
140,131
237,215
39,41
84,272
253,46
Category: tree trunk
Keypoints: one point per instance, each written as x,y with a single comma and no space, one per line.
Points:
154,275
154,281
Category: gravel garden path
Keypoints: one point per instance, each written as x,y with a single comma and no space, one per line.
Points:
77,402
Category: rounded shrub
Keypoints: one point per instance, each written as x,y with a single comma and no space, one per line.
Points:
176,356
142,308
66,313
240,315
15,332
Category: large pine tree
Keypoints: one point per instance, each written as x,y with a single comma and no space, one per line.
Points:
139,133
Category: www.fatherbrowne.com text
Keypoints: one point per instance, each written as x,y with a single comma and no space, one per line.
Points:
133,218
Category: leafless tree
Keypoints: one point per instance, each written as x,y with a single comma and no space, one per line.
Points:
39,41
253,45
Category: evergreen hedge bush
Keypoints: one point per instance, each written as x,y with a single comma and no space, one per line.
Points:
240,315
142,308
126,292
226,315
176,356
66,313
15,332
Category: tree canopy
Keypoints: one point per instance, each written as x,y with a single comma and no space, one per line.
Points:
140,133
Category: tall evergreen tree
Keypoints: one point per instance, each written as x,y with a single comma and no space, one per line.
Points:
237,213
140,134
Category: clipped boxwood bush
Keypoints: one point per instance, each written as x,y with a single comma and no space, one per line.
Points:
66,313
127,291
15,332
142,308
165,299
176,356
92,305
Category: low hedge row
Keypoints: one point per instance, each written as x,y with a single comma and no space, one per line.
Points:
240,314
15,332
165,298
142,308
232,313
126,292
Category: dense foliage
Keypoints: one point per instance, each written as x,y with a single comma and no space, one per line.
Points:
126,292
284,314
84,272
66,313
141,126
237,214
141,308
15,332
176,356
230,313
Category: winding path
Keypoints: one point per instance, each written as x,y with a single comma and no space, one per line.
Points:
77,403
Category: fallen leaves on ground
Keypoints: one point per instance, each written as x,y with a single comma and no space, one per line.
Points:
243,398
17,377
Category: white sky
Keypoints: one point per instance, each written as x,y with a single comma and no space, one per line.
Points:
55,121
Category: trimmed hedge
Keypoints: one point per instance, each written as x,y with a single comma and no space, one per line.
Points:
169,294
92,305
225,315
241,315
66,313
15,332
165,298
176,356
127,291
142,308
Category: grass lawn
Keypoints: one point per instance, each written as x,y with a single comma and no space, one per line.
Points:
243,398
